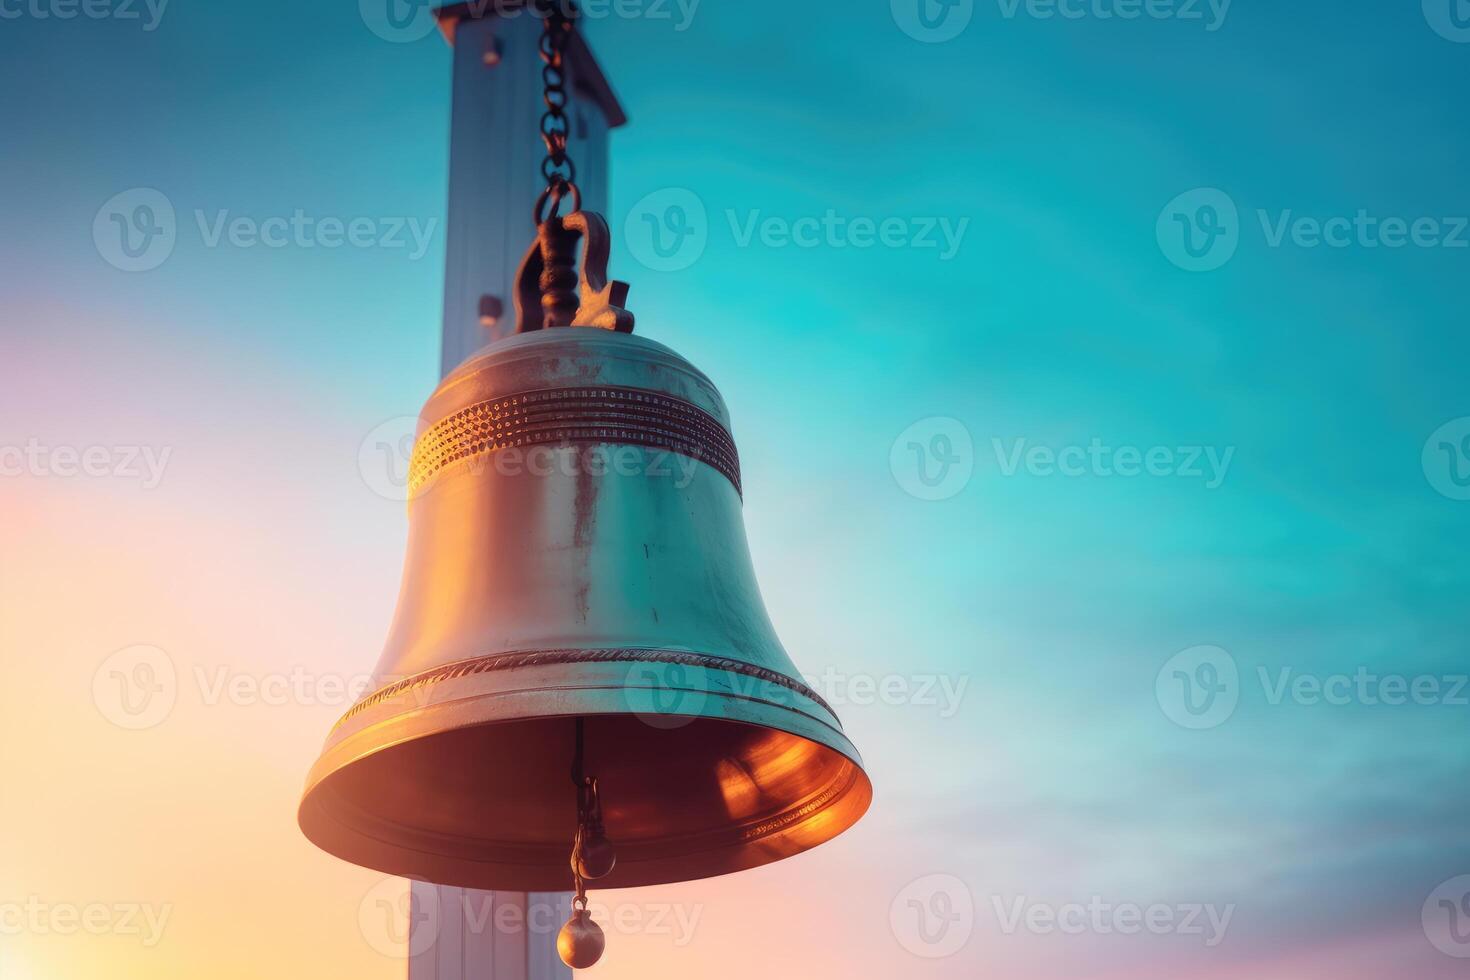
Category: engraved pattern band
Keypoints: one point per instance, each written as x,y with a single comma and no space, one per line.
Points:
577,415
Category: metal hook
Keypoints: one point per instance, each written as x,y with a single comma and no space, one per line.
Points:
542,281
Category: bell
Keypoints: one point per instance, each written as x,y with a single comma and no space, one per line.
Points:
578,593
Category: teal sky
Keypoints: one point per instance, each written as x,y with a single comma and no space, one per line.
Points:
1054,150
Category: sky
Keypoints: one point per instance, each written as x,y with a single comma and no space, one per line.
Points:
1098,370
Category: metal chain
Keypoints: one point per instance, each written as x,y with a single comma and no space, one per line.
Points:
558,22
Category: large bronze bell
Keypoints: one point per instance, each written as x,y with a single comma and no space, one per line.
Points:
578,592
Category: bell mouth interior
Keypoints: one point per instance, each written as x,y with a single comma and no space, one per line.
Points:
493,806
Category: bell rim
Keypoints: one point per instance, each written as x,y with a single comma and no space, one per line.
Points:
556,656
849,805
770,837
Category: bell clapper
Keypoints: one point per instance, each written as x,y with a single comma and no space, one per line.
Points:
581,941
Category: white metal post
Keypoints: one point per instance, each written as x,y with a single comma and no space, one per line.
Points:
494,179
464,934
495,160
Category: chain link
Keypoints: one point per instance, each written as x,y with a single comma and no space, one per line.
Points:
558,21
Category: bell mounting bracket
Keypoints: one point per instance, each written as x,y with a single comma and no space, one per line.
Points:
549,293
